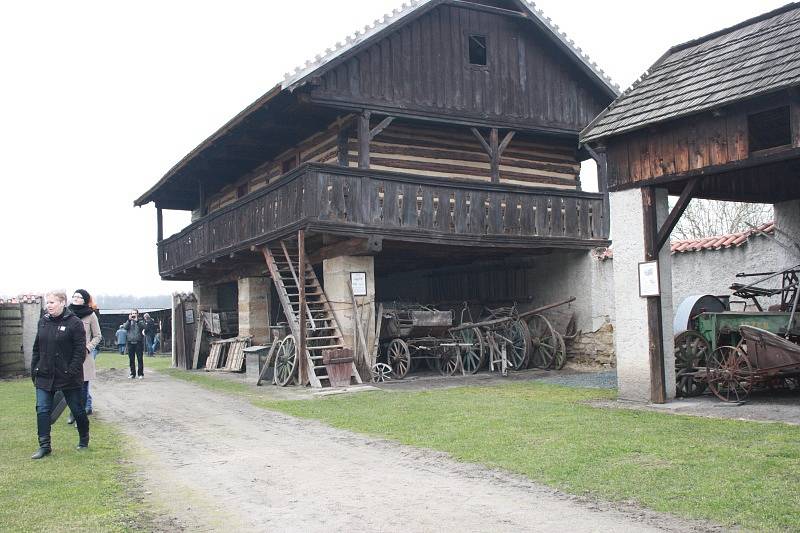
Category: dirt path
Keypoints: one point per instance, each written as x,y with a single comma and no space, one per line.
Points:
213,462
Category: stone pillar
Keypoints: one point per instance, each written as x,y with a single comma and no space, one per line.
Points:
254,309
206,295
631,341
787,222
336,275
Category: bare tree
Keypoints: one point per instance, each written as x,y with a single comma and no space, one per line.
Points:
707,218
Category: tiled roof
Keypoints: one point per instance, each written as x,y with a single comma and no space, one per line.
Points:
730,240
292,80
23,299
718,242
755,57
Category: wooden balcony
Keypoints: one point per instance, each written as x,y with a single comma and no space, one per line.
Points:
398,207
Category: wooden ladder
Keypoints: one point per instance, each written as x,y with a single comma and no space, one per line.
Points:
322,328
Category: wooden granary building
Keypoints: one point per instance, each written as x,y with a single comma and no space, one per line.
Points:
716,118
436,152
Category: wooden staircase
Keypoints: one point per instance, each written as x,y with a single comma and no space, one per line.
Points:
322,328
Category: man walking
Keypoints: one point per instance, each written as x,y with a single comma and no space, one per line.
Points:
135,328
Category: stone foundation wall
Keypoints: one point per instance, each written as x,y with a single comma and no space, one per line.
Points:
595,348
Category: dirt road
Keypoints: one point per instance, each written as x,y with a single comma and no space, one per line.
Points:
213,462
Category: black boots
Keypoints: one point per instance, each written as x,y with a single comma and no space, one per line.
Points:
44,448
83,435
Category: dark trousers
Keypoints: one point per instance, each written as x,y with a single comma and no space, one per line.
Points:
149,343
44,404
134,356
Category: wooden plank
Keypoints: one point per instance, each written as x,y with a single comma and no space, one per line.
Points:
267,362
198,340
557,223
494,217
571,217
460,212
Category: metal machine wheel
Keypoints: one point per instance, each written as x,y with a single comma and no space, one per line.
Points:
399,357
691,353
543,342
520,342
474,356
730,374
286,361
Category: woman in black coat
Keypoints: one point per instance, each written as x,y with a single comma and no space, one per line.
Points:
57,364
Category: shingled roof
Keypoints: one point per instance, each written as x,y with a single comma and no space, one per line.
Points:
755,57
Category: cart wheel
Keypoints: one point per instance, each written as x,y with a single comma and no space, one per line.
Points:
381,372
691,353
730,375
543,342
519,348
561,352
472,356
449,361
285,361
399,358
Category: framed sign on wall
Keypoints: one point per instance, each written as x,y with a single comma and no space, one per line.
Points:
358,280
649,284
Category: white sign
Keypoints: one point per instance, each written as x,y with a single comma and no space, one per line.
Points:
648,279
358,280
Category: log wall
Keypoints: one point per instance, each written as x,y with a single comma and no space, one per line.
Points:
435,150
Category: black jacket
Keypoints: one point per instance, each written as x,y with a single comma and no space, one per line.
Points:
135,329
58,352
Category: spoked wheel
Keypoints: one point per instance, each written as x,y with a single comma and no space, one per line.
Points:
730,374
473,356
286,361
449,361
691,354
519,344
399,358
561,352
381,372
543,342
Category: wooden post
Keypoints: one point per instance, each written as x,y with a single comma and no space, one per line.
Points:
201,196
344,146
364,135
494,155
159,225
658,391
301,277
600,157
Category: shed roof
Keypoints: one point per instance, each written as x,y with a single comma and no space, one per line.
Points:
758,56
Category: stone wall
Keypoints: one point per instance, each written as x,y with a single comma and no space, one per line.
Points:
713,271
787,222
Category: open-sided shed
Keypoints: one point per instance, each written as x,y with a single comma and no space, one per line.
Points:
719,118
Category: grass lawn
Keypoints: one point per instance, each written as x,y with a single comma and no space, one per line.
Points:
68,490
736,473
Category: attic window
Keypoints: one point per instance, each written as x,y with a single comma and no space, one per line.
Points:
477,50
769,129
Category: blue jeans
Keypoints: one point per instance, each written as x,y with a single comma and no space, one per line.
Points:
121,348
149,340
44,404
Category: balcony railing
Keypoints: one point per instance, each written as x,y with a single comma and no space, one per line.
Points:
398,206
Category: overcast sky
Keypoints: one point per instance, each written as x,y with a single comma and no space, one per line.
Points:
99,100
